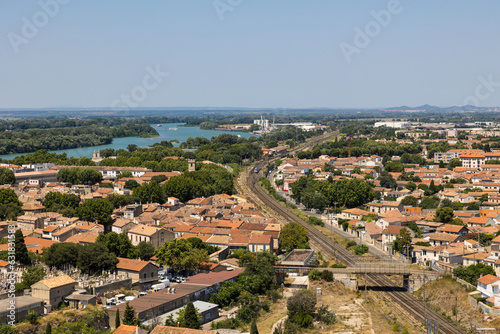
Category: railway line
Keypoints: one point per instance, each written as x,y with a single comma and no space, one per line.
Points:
417,309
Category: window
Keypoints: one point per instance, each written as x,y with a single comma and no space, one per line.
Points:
145,275
152,274
495,289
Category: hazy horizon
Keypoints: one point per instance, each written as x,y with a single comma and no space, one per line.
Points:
248,54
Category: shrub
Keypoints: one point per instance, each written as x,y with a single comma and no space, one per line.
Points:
314,275
395,327
327,276
315,221
361,249
351,243
326,316
229,323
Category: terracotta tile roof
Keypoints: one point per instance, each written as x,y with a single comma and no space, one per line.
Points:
450,228
57,281
443,237
479,220
84,237
178,330
125,329
373,229
260,239
488,279
50,228
143,230
36,245
132,265
393,229
477,256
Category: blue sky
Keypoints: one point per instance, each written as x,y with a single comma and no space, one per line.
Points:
279,54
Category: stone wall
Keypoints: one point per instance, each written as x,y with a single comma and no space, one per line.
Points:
102,289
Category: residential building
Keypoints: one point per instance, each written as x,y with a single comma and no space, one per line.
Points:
53,290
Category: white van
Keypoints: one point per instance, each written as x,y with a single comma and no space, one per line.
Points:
157,287
165,281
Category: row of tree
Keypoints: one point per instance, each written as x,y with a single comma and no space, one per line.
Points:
322,194
33,139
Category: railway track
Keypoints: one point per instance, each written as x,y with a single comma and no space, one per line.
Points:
417,309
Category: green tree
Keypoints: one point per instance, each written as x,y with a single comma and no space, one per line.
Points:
455,162
150,193
430,202
387,181
180,255
301,308
444,215
88,176
409,201
95,258
131,184
21,251
30,276
314,275
145,250
253,328
411,186
98,210
394,166
7,176
8,197
293,236
190,318
326,316
32,317
48,328
129,317
405,236
125,173
118,244
61,254
117,318
473,272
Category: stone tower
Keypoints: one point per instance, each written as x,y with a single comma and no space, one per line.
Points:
192,165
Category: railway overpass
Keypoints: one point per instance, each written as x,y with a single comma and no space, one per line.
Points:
360,268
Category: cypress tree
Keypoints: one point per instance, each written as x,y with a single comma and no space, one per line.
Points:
48,329
117,318
129,316
21,251
190,317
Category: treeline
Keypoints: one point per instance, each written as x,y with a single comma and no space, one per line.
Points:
58,138
207,181
319,195
359,147
225,148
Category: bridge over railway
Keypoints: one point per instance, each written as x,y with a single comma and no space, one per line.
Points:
360,268
372,268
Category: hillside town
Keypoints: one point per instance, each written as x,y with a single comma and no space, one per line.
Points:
434,205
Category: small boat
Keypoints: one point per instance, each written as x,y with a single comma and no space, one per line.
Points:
174,129
158,125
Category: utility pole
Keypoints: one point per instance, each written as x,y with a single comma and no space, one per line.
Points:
425,304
